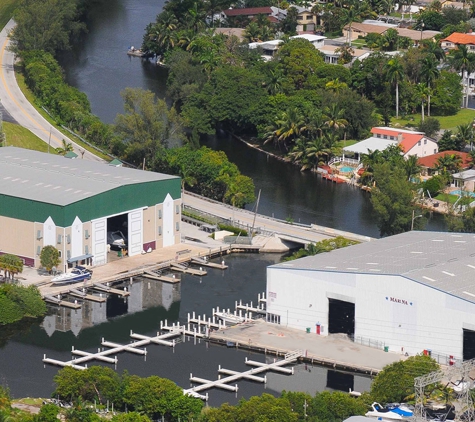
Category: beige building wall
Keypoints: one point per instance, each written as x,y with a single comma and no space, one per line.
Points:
177,220
17,237
149,224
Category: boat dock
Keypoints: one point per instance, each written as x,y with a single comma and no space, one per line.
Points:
187,270
157,276
206,263
259,367
108,289
135,52
59,302
83,295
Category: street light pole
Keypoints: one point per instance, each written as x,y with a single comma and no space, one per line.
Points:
413,218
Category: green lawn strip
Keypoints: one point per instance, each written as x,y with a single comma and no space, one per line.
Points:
6,11
31,98
452,199
347,143
464,116
19,136
358,43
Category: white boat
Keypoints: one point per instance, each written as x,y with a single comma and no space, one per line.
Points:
75,275
229,318
397,413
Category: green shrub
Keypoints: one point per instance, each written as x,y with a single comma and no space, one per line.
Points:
237,231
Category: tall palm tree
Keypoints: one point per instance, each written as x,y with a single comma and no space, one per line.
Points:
334,117
318,150
449,163
298,154
252,32
429,73
287,127
463,61
423,93
465,134
274,82
434,49
395,74
411,166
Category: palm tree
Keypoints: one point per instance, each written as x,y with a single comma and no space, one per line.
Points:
395,74
318,151
65,148
298,154
252,32
429,73
335,85
423,93
287,126
334,117
463,61
465,134
434,49
411,166
274,82
449,163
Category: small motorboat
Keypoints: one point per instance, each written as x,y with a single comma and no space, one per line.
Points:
399,412
75,275
229,318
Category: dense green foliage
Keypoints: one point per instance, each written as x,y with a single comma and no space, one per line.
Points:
326,245
49,257
152,396
17,302
395,383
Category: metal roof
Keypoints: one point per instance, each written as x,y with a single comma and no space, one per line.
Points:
444,261
373,144
54,179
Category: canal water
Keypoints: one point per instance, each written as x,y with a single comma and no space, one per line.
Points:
100,67
21,353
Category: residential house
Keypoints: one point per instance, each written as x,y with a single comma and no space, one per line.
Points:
429,162
274,14
236,32
363,29
306,20
465,180
417,36
456,39
411,143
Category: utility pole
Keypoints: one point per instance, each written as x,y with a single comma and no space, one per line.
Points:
49,139
3,136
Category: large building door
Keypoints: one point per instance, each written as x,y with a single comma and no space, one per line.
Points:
341,317
168,228
468,344
135,224
99,241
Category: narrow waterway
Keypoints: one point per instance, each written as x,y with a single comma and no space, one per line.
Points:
100,67
21,353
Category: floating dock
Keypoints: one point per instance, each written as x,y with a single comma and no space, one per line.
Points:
83,295
206,263
259,367
167,279
108,289
187,270
59,302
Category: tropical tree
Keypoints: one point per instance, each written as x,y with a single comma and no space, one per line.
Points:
333,117
433,49
65,147
298,155
11,265
465,134
318,151
288,126
463,61
429,73
412,167
449,163
49,257
422,93
395,74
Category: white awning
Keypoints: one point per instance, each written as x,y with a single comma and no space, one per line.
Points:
373,144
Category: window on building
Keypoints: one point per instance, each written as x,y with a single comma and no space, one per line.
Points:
68,237
86,250
419,143
177,225
177,209
39,235
392,138
435,151
60,254
274,319
159,214
425,141
68,254
309,17
60,239
385,136
38,250
378,135
159,230
86,234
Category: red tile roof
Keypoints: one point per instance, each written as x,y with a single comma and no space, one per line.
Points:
431,160
409,139
249,11
458,38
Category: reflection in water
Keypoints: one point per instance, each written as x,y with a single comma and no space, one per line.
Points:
144,294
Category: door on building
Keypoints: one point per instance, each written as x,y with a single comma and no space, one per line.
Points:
341,317
468,344
99,241
135,225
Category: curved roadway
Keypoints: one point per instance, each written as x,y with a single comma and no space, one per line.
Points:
20,109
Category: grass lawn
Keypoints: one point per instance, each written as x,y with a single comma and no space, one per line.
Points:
19,136
31,98
6,11
347,143
464,116
358,43
451,199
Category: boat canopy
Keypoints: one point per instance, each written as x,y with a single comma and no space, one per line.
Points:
79,258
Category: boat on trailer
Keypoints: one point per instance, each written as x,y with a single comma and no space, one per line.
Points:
75,275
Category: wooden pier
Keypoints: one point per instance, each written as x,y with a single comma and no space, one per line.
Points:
167,279
108,289
259,367
59,302
83,295
206,263
187,270
250,308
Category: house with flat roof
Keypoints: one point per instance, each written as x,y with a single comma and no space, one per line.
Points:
465,180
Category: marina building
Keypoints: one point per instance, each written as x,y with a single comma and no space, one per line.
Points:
408,293
80,206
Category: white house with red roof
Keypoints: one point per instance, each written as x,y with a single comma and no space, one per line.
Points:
411,143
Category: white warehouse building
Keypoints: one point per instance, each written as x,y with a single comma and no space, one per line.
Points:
411,292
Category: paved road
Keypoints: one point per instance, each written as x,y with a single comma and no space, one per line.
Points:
314,234
19,108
